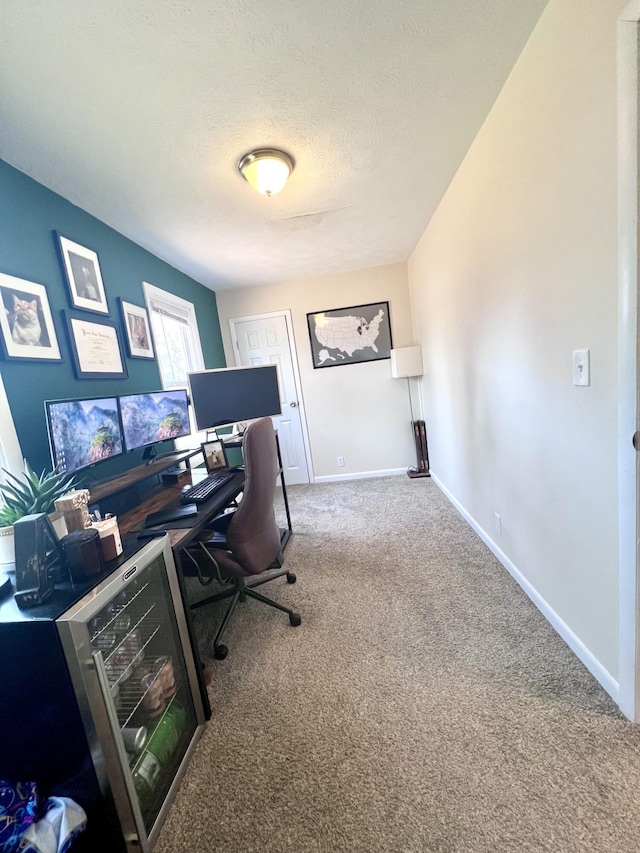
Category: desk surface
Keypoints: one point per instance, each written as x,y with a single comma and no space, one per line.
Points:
163,496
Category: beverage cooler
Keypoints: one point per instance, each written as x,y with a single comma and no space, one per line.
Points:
100,701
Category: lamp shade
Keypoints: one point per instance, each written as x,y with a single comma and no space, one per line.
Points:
266,169
406,362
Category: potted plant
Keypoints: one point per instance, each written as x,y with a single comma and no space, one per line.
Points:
24,495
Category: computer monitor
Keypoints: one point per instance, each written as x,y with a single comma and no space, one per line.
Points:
83,432
152,417
232,394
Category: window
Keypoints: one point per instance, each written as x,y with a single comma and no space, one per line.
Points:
177,344
175,335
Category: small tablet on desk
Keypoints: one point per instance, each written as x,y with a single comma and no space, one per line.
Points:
174,513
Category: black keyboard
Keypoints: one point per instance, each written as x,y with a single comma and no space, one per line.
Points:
202,491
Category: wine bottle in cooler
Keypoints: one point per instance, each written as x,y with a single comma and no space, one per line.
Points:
166,737
145,779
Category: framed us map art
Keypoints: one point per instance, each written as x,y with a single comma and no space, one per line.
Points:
350,335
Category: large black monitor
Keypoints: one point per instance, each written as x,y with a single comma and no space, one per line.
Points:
83,432
155,416
232,394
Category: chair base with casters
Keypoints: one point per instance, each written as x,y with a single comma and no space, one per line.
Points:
238,592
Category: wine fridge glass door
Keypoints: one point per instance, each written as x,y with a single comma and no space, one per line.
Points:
133,671
137,635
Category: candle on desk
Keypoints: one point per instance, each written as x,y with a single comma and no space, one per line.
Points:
109,537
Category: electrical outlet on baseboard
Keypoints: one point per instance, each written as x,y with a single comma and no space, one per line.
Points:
497,520
341,461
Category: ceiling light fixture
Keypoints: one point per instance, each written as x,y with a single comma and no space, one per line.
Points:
266,169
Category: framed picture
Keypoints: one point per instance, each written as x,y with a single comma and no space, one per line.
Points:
26,322
137,332
350,335
215,455
82,271
95,347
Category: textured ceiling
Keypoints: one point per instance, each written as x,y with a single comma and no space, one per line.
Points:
139,111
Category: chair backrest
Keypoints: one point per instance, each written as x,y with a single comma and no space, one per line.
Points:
253,537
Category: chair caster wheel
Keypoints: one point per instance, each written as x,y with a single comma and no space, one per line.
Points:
294,619
291,578
220,652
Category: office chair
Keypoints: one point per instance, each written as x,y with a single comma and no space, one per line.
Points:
241,546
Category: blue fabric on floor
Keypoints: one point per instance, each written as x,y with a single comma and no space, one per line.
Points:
25,827
18,811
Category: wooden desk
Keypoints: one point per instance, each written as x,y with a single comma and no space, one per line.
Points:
185,530
139,473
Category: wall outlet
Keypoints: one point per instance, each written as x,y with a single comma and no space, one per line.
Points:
341,461
497,521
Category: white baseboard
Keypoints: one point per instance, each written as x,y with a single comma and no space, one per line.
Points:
576,645
360,475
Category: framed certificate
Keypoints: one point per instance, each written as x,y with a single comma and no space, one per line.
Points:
95,347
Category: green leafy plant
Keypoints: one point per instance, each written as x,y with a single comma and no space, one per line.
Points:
30,493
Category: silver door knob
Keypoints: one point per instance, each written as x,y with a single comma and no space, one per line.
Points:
293,404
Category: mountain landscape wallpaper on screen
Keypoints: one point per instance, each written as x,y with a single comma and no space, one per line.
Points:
147,418
85,432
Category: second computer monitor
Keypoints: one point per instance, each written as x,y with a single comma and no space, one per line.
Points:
152,417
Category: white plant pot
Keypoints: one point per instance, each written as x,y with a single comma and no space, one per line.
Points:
7,549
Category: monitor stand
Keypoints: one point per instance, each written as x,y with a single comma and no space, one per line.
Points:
151,455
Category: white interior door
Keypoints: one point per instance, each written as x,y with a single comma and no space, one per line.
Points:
266,339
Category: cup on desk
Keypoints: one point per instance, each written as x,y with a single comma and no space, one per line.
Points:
109,537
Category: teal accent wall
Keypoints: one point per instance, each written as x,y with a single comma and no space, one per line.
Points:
29,214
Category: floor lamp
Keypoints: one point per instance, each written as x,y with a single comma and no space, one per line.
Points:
406,363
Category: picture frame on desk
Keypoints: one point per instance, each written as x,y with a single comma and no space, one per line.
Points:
215,455
95,347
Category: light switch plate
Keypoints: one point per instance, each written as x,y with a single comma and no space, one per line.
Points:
581,367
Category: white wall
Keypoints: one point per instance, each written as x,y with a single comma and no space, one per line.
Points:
517,269
356,411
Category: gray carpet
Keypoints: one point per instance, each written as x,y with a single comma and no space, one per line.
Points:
424,704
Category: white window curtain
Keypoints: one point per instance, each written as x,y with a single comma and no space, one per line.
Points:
171,336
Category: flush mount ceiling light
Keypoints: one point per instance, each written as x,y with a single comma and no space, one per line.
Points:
266,169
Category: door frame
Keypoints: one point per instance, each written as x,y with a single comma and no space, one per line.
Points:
628,56
286,313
